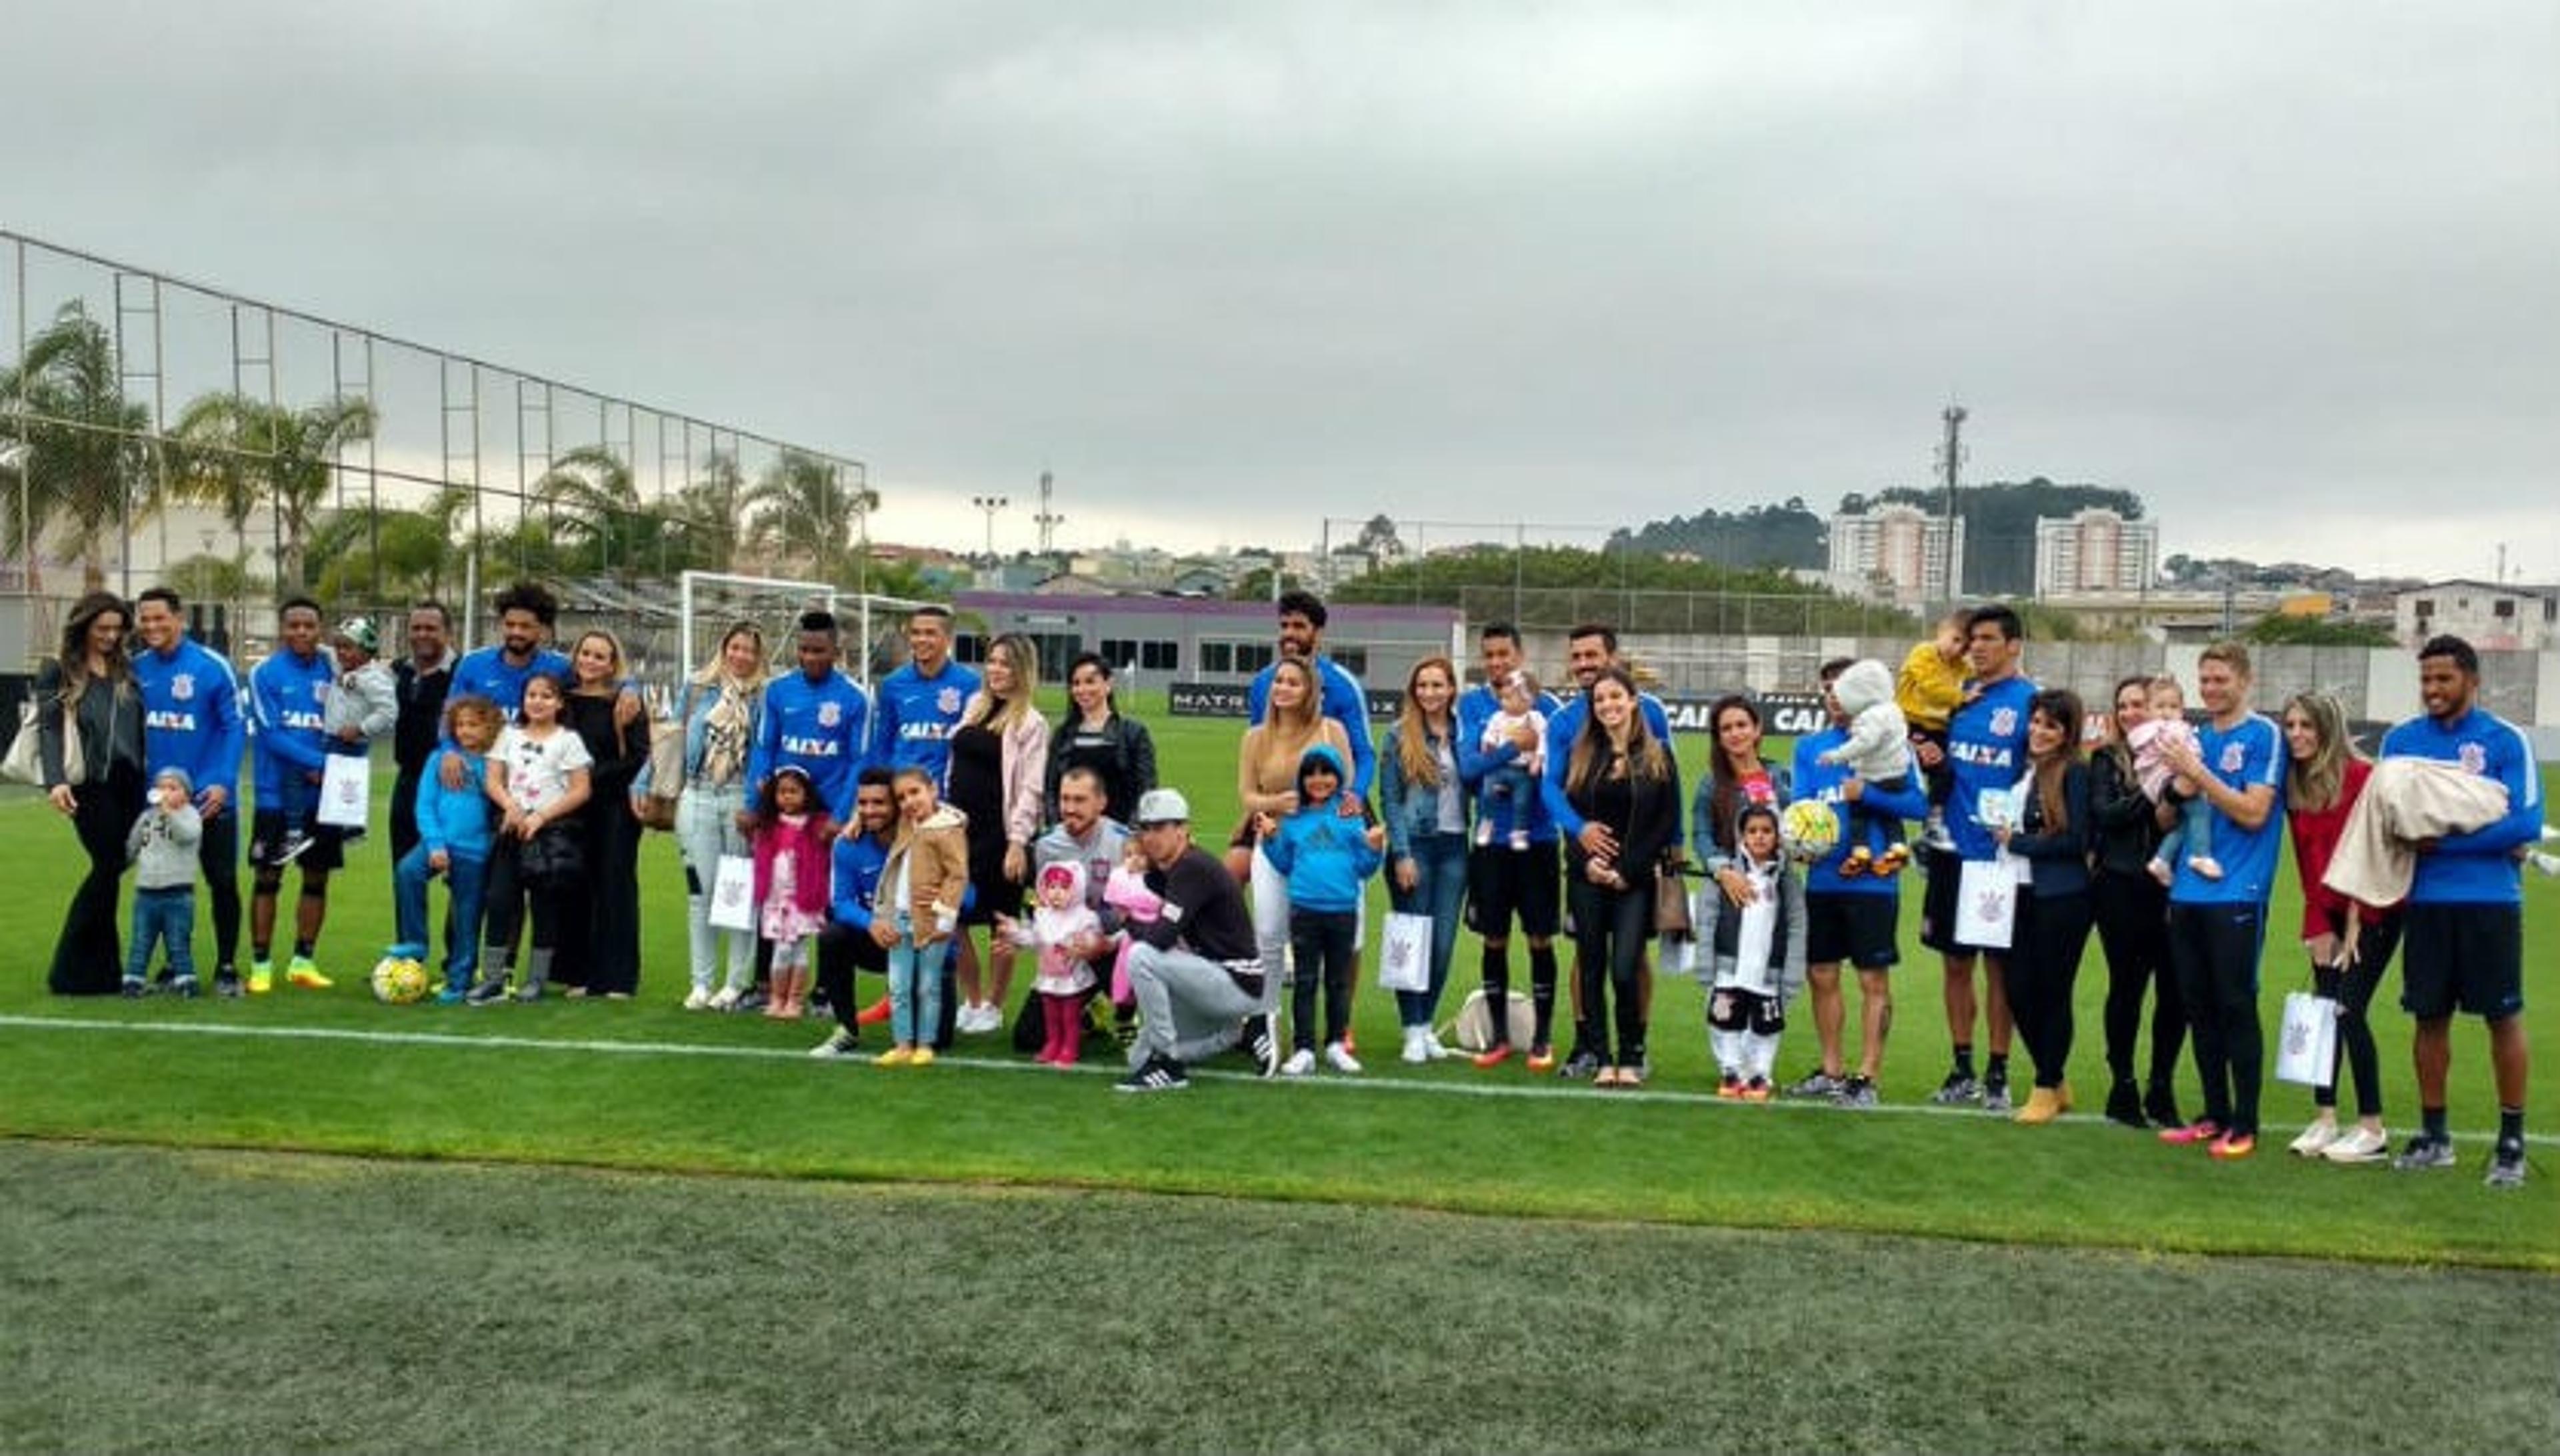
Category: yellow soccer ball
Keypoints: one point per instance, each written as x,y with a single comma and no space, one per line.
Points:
399,980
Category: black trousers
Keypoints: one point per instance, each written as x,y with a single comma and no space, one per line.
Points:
1610,927
2133,928
2042,967
218,857
843,950
2215,948
89,956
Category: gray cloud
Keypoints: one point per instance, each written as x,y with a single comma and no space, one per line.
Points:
2285,269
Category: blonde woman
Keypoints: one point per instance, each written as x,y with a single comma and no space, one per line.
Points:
1266,782
999,772
718,708
2324,776
1424,804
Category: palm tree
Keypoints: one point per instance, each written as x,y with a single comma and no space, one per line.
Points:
596,508
238,452
803,507
706,515
91,447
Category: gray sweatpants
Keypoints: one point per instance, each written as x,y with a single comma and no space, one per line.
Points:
1189,1007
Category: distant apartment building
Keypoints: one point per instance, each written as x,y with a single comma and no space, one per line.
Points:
2491,617
2095,552
1896,553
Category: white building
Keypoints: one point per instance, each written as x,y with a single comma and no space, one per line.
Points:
2095,551
1896,553
2489,617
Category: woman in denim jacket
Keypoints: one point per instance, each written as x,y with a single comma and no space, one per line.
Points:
719,708
1425,808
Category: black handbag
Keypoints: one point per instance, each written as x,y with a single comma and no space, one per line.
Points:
551,858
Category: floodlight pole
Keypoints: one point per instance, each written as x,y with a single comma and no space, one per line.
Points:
991,505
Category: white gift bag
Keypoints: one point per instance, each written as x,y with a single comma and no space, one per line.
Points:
734,893
1404,962
2307,1043
346,790
1986,904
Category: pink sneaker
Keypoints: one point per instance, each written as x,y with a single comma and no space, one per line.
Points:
2199,1131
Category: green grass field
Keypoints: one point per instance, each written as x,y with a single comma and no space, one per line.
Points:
1537,1170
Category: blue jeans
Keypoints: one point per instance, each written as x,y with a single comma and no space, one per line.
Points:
1439,891
163,914
468,880
915,1001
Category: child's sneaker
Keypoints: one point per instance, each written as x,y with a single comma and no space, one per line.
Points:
135,988
1754,1090
492,991
698,999
2162,871
1729,1087
1519,842
725,999
1895,856
2207,866
1934,834
1484,832
1857,863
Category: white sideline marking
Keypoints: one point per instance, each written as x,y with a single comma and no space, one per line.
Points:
1548,1092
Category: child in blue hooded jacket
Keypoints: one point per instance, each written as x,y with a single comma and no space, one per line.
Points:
1325,856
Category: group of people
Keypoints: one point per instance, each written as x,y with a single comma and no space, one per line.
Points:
938,828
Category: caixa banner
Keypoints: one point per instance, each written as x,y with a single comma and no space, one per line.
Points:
1789,714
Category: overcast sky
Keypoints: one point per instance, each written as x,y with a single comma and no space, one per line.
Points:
2291,271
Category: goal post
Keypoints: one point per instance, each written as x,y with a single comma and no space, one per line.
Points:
710,602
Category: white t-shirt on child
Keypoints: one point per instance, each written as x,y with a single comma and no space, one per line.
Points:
537,769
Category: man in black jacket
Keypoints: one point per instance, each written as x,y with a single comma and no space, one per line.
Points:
1196,968
421,679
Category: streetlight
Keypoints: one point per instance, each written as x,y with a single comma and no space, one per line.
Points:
991,505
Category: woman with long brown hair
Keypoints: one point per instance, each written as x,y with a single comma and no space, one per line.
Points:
2132,911
999,772
2324,774
1620,777
88,717
718,714
1266,782
2052,833
1737,779
1425,809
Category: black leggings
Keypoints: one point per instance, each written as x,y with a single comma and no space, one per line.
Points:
510,897
2042,967
1610,927
2133,926
2352,989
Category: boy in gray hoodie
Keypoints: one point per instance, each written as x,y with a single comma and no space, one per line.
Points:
162,846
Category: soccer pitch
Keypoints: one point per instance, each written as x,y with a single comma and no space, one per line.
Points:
2058,1225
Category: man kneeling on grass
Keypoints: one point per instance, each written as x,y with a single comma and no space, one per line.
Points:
1195,969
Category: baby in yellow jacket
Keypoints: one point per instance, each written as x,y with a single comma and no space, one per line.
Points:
1929,690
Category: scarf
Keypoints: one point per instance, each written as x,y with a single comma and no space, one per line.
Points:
725,729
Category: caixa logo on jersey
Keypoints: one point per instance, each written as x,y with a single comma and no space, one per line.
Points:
1790,715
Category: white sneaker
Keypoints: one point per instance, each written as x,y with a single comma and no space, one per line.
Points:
1415,1052
697,998
1341,1059
1300,1062
2542,863
2315,1139
840,1044
725,999
976,1019
1434,1048
2359,1144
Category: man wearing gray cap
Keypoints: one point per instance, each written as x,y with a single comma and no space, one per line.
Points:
1195,969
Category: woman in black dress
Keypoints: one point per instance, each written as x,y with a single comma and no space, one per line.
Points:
999,767
600,952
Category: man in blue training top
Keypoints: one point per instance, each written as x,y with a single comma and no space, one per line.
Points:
1302,636
1502,882
855,939
191,719
2218,926
1850,917
1588,649
916,707
1986,754
818,720
527,613
288,697
2462,933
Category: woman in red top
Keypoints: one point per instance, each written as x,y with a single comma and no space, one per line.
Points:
2326,774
